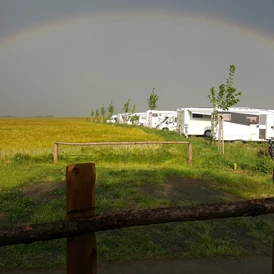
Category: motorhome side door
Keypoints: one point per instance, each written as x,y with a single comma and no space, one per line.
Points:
269,131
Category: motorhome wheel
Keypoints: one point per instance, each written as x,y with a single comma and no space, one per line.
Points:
207,133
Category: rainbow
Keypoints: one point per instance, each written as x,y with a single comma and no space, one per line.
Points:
129,15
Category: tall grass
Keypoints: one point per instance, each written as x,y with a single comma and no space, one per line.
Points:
37,136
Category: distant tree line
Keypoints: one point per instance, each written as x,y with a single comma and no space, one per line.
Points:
102,113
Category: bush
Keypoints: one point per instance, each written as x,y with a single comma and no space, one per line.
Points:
264,165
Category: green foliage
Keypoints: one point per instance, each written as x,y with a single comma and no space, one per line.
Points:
103,110
263,165
227,97
152,100
126,106
133,109
97,112
134,119
110,109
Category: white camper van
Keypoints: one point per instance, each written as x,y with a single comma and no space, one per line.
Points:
154,117
113,119
169,123
123,118
142,118
245,124
194,121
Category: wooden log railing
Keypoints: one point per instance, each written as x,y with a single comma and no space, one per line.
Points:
70,228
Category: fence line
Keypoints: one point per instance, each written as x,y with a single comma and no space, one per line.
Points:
89,224
56,144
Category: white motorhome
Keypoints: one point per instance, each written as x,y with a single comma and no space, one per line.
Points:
142,118
113,119
154,117
123,118
245,124
194,121
169,123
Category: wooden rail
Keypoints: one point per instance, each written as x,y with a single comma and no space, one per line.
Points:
56,144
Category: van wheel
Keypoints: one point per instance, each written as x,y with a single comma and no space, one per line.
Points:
165,129
207,133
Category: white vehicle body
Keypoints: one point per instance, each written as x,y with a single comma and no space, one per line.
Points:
245,125
154,117
123,118
142,118
194,121
169,123
113,119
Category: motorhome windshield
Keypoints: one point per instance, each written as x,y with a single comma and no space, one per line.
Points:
163,121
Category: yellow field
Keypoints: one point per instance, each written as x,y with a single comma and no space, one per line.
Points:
39,134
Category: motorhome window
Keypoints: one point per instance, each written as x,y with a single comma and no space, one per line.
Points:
155,115
164,120
195,115
172,120
251,120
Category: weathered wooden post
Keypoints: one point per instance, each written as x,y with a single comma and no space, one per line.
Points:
55,153
190,154
273,255
80,203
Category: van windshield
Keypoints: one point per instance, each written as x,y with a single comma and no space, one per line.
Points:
164,120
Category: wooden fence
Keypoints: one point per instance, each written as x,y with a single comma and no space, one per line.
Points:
81,223
56,144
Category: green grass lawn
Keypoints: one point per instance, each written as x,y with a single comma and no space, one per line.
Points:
32,190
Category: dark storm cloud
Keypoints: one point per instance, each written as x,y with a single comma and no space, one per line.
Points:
18,14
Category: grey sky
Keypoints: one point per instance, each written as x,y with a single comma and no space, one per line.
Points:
66,57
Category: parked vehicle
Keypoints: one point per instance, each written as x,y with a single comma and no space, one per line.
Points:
194,121
113,119
169,123
245,124
141,119
123,118
154,117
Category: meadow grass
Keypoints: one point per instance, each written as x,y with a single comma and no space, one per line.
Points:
37,135
128,177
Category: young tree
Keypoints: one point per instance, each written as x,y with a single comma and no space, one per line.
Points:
92,115
97,114
227,97
126,106
110,109
133,109
134,118
152,100
103,112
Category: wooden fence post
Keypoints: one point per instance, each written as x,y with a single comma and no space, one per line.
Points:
272,254
190,154
80,203
55,153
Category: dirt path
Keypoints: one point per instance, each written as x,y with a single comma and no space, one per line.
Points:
246,265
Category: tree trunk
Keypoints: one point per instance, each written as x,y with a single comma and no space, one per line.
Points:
54,230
